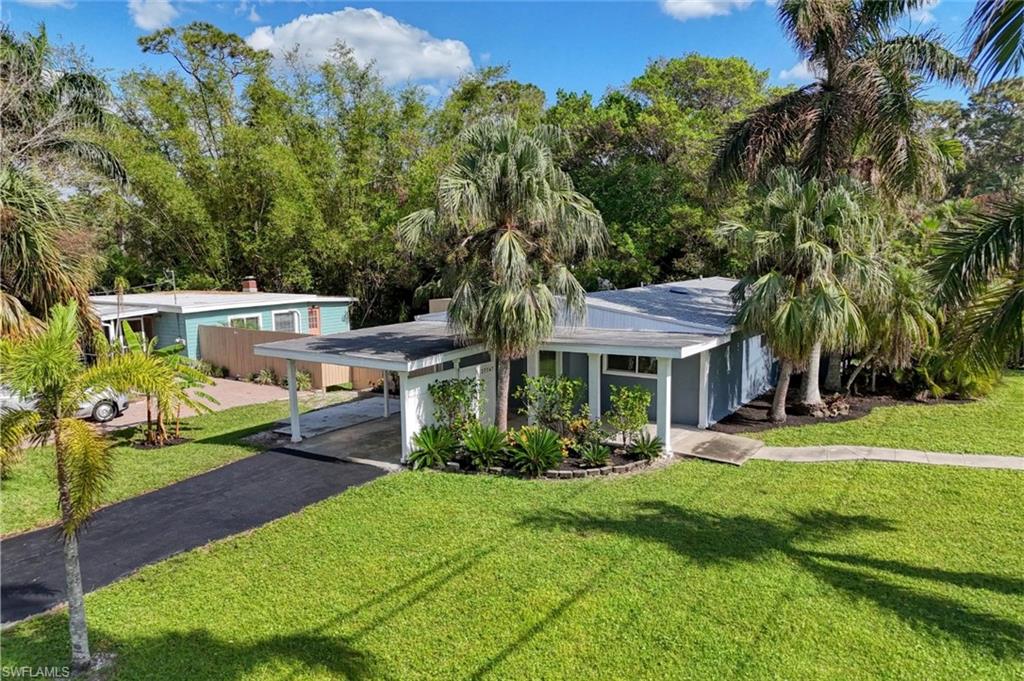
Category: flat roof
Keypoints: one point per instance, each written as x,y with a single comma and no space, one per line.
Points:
705,303
394,347
109,311
184,302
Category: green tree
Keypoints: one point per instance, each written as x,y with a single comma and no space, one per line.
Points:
512,224
49,367
861,114
641,154
810,247
993,135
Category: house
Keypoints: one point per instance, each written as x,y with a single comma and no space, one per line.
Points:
677,339
175,316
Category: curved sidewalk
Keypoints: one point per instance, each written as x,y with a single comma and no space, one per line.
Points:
857,453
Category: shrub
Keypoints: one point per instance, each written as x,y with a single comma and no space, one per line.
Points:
647,447
303,381
484,445
583,429
594,454
456,401
208,369
628,414
549,402
433,446
265,377
535,450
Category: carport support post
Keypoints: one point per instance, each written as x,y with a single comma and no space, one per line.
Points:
664,406
594,384
702,390
293,402
406,415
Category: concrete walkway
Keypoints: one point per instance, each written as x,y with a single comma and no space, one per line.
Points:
339,416
857,453
124,537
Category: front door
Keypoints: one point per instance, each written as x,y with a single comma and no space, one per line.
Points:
314,320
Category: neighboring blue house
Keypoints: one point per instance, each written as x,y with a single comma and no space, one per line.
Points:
175,316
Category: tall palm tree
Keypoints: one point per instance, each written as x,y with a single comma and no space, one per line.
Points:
859,114
48,366
49,114
513,224
810,252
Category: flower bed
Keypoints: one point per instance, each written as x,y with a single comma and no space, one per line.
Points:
565,442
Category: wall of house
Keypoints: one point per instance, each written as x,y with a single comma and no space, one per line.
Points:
737,373
168,326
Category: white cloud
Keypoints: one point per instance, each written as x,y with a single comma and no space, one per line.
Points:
400,51
248,7
697,9
923,14
149,15
801,72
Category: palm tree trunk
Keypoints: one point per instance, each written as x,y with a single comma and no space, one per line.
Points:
812,395
78,629
501,393
834,372
149,419
778,412
860,367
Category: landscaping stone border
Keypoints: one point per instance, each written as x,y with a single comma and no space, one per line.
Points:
558,474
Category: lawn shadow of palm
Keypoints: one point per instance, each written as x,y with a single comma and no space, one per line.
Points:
198,654
712,538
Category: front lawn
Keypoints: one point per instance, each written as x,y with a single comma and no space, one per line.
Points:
993,425
30,496
846,571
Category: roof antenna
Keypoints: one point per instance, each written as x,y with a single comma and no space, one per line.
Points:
174,284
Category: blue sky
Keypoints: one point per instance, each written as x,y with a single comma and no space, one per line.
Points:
569,45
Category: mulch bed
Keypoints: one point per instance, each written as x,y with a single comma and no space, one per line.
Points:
753,417
168,442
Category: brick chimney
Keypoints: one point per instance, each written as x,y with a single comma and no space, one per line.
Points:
249,285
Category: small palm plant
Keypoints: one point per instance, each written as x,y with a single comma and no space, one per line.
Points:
484,445
49,367
433,447
183,390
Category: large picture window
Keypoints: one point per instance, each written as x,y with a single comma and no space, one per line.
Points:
631,365
245,322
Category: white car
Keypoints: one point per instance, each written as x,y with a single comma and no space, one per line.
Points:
100,406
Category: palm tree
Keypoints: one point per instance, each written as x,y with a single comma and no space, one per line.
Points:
173,395
859,114
996,32
49,367
49,114
512,224
810,253
899,321
979,267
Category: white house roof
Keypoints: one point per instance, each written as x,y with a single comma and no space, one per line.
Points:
670,344
704,304
184,302
109,311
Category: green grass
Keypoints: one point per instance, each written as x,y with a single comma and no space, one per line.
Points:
993,425
30,497
841,571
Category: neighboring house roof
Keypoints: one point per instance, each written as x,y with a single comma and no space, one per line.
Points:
701,305
184,302
109,311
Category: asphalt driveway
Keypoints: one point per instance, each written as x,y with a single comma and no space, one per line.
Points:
126,536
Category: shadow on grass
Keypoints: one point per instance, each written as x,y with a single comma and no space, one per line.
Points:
710,538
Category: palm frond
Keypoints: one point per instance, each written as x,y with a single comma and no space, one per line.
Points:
88,465
17,430
996,31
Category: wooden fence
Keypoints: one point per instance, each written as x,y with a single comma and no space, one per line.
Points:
231,348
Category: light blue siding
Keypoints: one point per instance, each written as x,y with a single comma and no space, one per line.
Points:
169,326
738,372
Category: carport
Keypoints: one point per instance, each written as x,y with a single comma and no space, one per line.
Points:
418,352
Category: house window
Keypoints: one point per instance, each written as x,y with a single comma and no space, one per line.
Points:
286,320
630,365
245,322
547,360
